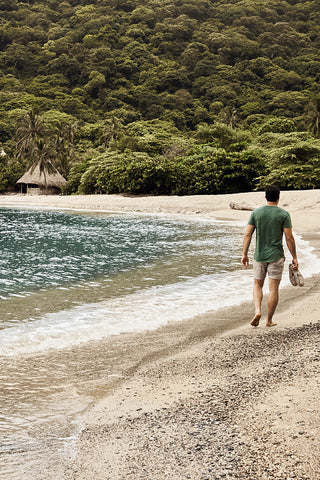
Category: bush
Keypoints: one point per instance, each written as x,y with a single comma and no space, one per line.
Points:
278,125
293,167
10,171
74,177
203,170
221,135
107,173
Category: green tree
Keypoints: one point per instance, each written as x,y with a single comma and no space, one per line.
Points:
30,129
96,81
312,116
42,155
229,116
10,171
112,130
221,135
295,165
75,175
277,125
65,147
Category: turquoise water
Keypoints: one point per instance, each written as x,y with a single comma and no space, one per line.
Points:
70,278
49,249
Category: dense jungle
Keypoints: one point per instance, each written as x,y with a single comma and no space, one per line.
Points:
161,96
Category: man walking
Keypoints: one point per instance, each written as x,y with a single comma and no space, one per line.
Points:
270,222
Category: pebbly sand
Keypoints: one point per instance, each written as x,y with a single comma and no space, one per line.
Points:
230,403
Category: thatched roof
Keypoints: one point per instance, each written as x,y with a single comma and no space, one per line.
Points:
43,179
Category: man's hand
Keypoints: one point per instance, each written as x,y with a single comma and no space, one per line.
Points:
295,263
245,261
246,244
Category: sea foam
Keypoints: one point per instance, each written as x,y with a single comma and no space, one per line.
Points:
146,309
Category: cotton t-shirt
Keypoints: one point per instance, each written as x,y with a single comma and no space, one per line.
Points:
269,222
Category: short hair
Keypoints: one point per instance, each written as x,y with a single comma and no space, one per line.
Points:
272,193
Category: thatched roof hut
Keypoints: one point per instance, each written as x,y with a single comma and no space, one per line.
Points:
39,182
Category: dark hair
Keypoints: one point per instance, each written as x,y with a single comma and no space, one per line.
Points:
272,193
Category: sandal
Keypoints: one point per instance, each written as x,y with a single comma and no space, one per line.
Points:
295,276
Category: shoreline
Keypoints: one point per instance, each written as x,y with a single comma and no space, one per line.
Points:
303,205
177,413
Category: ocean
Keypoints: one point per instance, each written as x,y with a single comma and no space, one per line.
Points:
72,286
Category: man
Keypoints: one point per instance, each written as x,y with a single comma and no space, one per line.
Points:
270,222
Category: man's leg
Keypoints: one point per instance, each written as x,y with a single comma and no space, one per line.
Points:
257,298
272,300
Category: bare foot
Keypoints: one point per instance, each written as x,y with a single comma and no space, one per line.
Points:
271,324
256,319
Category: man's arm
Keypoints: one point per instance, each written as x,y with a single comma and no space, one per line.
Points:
291,246
246,245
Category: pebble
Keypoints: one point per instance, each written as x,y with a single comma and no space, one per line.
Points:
219,434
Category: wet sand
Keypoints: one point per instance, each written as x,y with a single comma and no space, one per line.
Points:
214,398
238,404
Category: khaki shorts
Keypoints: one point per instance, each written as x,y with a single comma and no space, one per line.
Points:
274,269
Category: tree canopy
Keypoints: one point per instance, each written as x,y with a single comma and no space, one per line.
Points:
147,77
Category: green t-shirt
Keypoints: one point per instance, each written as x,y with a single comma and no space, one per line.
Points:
269,222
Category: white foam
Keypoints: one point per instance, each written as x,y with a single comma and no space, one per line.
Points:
147,309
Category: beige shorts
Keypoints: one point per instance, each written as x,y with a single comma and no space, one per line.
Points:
274,269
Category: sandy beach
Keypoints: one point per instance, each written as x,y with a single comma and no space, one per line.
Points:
230,402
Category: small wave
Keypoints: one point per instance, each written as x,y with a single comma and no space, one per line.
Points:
146,309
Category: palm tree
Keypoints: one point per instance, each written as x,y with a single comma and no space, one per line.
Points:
112,131
31,145
72,131
42,155
37,147
29,130
64,146
312,114
229,117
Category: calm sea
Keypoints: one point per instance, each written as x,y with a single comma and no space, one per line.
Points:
69,279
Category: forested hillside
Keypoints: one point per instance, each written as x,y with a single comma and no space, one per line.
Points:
161,96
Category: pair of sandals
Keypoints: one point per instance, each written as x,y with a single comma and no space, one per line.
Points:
295,276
